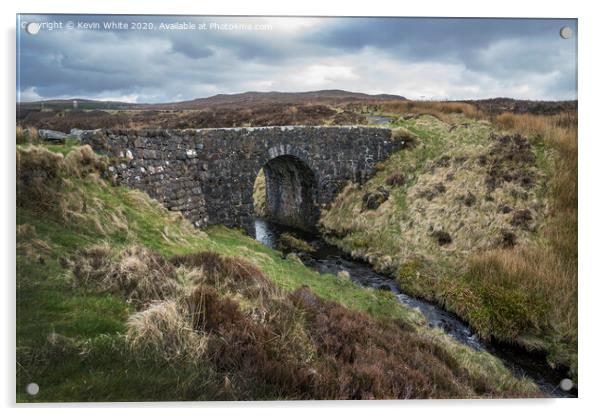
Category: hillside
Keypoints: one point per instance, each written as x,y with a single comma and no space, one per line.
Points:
120,300
332,97
478,214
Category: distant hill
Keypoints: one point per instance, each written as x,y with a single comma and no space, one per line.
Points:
254,97
220,100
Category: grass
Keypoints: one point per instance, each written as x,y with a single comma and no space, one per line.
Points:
259,195
508,205
82,340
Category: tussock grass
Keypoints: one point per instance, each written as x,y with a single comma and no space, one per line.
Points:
227,273
164,329
38,176
82,161
505,193
27,135
138,273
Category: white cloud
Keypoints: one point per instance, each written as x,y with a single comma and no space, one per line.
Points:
29,94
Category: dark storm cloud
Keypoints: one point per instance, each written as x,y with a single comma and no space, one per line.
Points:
455,58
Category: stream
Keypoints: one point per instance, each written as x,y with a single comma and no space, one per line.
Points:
330,259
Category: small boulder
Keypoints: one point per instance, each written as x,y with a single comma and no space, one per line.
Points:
76,134
52,135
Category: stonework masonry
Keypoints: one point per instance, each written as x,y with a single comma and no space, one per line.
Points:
208,174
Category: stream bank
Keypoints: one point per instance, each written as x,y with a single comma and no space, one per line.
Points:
330,259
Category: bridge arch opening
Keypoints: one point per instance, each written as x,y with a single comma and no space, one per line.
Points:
285,192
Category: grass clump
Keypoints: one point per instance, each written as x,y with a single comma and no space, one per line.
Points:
289,243
138,273
226,273
163,329
27,135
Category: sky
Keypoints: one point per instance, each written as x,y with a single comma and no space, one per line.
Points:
153,59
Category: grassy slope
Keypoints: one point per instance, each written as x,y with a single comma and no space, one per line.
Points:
498,291
71,341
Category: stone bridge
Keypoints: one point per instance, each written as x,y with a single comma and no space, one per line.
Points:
208,174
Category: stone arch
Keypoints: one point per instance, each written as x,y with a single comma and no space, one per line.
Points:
291,188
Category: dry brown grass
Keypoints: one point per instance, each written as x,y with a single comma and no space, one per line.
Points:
142,275
38,177
164,329
227,273
298,345
42,174
82,161
438,109
548,269
27,135
509,204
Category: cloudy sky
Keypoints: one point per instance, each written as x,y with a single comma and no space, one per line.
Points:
158,59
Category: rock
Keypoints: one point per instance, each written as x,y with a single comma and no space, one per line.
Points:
76,134
52,135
